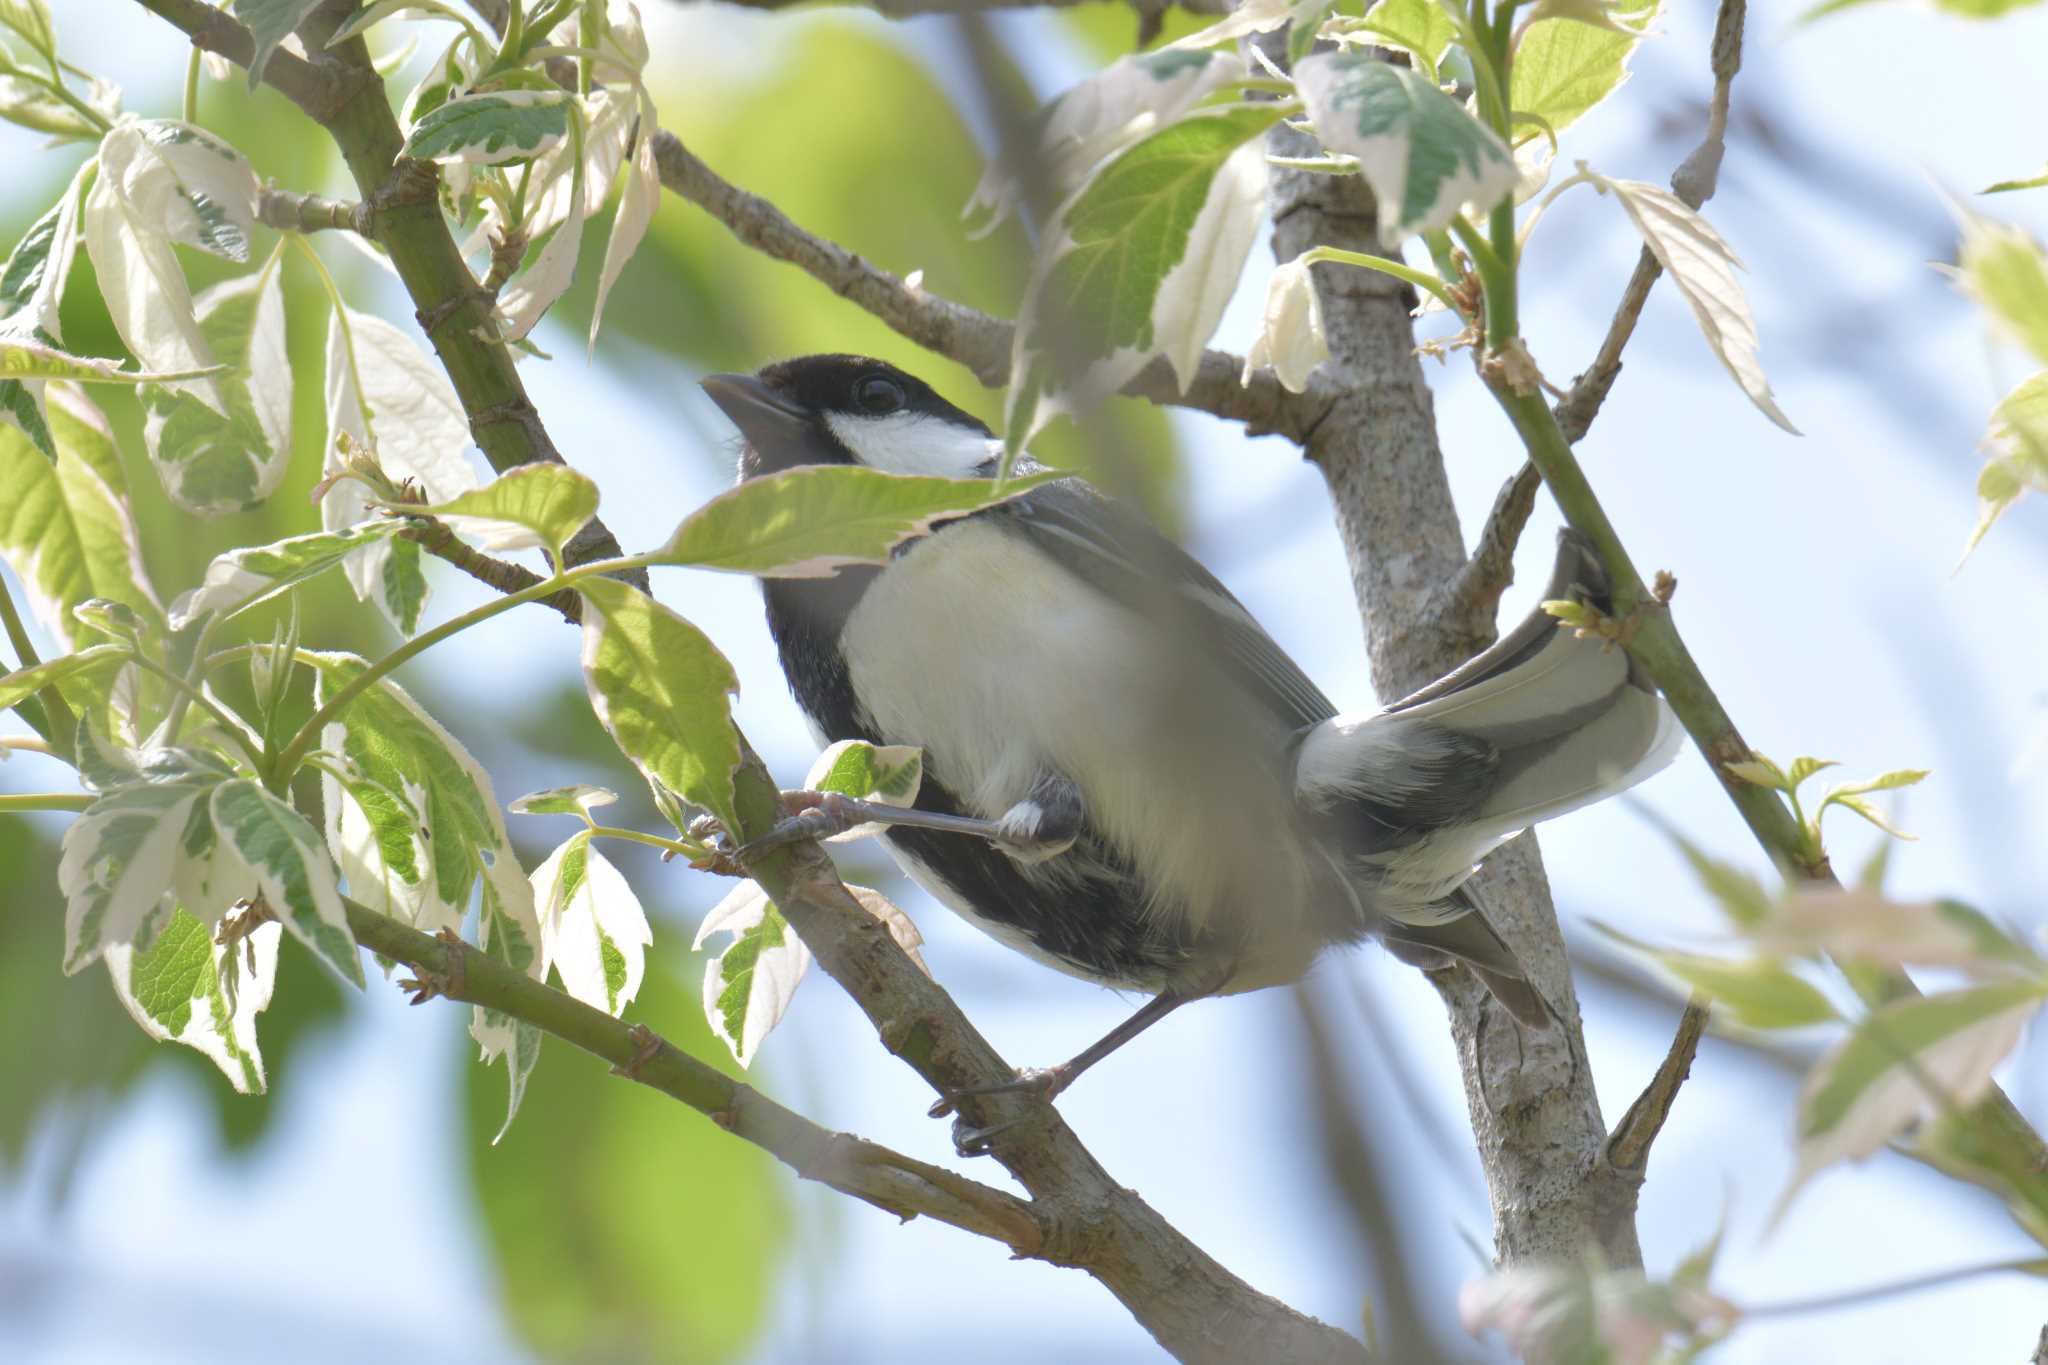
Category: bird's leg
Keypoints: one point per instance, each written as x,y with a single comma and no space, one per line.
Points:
1045,1083
1045,823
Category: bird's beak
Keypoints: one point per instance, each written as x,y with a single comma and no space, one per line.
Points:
779,434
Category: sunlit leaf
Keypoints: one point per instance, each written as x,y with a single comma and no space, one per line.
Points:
1864,926
239,579
1759,992
2033,182
1139,264
661,689
535,505
492,128
748,987
811,521
580,799
639,197
593,931
1290,336
289,868
187,988
2006,271
1563,66
889,774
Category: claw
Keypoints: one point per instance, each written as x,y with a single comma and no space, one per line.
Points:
1037,1083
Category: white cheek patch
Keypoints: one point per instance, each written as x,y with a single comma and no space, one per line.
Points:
912,443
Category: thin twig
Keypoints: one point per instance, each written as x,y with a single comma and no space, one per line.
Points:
1693,182
1628,1150
437,540
973,338
868,1171
1473,593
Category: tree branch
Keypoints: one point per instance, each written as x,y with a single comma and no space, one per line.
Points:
320,87
1473,594
908,1188
1535,1117
963,334
437,540
288,211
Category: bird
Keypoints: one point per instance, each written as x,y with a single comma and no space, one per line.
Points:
1127,778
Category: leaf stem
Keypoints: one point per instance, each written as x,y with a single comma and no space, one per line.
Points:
675,846
197,696
1421,279
62,725
1851,1298
295,752
191,105
22,803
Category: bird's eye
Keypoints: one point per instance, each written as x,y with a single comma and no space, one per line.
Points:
879,395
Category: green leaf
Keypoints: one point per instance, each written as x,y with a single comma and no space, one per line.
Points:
491,129
2006,186
811,521
186,988
748,987
1422,153
1741,895
660,688
2007,272
270,22
21,359
1759,772
891,773
578,800
26,682
1140,263
1417,26
31,19
593,932
32,281
240,579
1804,767
243,322
1760,992
508,929
211,463
682,1236
535,505
385,737
1564,67
290,868
32,105
1908,1060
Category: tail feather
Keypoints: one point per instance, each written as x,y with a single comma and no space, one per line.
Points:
1540,724
1470,940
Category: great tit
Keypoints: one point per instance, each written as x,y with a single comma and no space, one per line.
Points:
1125,777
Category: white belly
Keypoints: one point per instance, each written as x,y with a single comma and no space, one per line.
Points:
999,670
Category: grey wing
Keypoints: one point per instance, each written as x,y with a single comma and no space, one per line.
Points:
1121,555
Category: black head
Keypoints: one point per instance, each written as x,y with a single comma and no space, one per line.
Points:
848,409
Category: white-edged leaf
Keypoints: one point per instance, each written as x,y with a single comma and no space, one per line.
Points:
66,527
534,505
492,128
1126,100
32,105
1907,1061
390,399
386,738
181,182
580,799
32,280
1290,336
748,987
1139,263
592,929
289,868
662,691
1422,153
31,360
508,928
639,197
546,276
119,863
270,22
1760,993
186,988
1253,16
240,579
811,521
888,773
139,278
1705,269
31,19
243,321
1567,62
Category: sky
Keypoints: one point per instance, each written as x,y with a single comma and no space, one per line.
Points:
1817,587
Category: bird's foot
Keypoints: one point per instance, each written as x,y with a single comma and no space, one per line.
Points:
811,815
1040,1084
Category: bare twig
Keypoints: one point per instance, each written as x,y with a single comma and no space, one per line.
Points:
288,211
1693,182
437,540
1473,593
446,967
973,338
1628,1150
